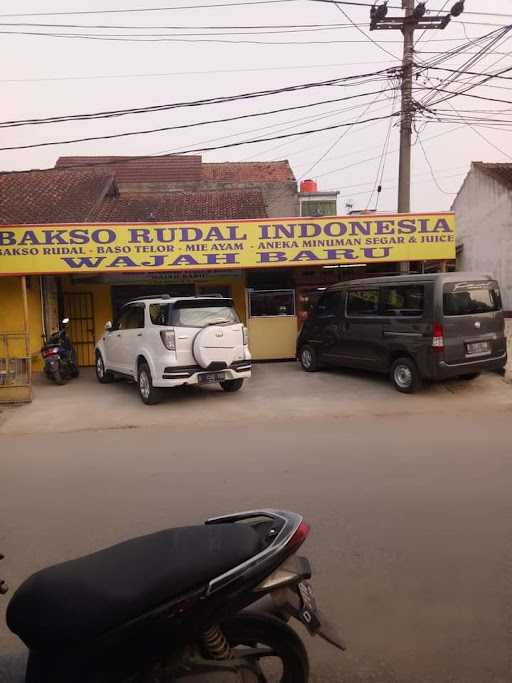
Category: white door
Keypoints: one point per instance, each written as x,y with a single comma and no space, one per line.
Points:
113,342
132,338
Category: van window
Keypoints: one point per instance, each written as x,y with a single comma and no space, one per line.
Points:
363,302
329,305
404,300
470,300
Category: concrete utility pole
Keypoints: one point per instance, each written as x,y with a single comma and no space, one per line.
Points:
404,168
414,19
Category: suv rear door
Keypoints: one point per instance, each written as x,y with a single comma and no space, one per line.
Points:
473,321
189,317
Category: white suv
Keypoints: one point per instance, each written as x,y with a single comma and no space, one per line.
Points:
166,342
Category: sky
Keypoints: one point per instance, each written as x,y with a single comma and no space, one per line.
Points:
45,76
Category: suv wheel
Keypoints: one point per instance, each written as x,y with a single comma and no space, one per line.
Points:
308,359
405,376
103,376
148,393
231,385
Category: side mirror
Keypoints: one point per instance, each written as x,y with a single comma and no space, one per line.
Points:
108,325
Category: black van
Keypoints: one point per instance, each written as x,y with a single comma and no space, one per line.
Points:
413,327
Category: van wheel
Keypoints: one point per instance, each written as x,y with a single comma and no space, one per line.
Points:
308,359
470,376
405,376
231,385
148,393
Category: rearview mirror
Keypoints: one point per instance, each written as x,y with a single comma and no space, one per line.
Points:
108,325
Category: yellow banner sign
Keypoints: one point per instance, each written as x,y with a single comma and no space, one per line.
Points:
89,248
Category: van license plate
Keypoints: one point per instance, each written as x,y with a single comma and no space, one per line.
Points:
477,348
212,377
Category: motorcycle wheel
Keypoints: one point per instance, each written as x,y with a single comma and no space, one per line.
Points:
285,659
58,378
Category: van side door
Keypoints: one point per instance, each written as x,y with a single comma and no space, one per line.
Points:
361,339
326,326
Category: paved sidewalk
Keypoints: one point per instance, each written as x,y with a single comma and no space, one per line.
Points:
276,391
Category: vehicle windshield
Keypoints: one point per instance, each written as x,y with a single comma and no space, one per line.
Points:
471,299
203,313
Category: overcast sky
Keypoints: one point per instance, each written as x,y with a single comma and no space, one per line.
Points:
45,76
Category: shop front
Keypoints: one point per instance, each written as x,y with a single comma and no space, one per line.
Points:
273,270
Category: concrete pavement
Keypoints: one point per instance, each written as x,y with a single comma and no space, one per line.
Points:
411,520
276,392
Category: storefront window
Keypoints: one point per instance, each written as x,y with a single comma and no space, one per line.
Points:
274,302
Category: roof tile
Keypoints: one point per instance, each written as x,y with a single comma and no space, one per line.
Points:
51,197
181,206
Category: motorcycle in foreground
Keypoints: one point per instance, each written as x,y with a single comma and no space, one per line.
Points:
60,363
200,604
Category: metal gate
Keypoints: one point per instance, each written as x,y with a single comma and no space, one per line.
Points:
79,308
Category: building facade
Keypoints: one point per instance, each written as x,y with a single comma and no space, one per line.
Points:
483,210
82,239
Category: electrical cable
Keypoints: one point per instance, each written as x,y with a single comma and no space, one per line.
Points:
185,125
248,142
193,103
431,168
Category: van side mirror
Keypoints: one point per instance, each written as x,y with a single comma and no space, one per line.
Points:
108,325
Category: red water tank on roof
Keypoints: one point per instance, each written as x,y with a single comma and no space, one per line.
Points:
308,186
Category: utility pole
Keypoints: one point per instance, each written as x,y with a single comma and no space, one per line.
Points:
404,167
413,19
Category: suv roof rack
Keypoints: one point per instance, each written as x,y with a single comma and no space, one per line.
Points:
151,296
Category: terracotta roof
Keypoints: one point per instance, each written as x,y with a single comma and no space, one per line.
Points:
180,206
255,171
51,197
500,172
169,169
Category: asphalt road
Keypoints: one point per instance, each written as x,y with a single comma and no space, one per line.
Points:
411,523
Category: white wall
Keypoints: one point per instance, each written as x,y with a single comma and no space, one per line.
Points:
483,210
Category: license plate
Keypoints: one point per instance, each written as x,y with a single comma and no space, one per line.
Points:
477,348
314,620
212,377
309,610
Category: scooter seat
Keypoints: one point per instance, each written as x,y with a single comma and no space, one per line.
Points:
76,601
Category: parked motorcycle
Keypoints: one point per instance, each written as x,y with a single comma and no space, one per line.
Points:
200,604
60,362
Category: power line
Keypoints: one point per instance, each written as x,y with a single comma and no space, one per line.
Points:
382,162
147,9
237,144
298,67
431,169
163,39
340,137
369,38
362,78
187,125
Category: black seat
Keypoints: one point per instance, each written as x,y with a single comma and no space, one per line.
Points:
75,601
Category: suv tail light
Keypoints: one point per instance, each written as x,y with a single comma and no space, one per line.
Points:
438,337
245,333
168,339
